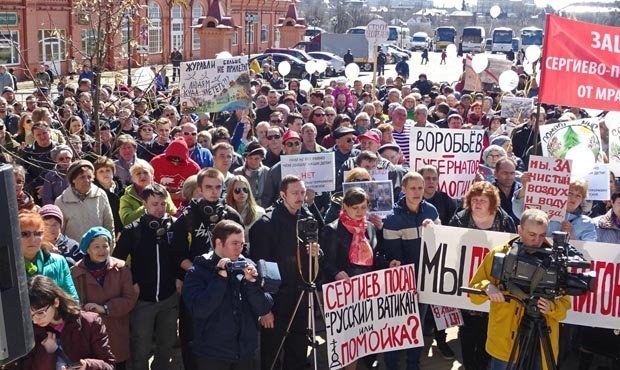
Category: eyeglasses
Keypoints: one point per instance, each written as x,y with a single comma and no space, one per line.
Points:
239,190
40,313
275,121
147,129
190,133
350,140
28,234
292,144
272,137
330,114
64,159
321,114
29,121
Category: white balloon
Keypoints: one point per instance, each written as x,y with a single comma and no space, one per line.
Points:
532,53
451,50
143,78
479,62
583,161
321,66
612,119
528,67
495,11
311,66
305,85
508,80
223,55
284,68
352,71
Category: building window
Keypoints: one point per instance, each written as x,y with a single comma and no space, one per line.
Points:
197,12
264,33
249,33
176,23
89,43
154,16
52,45
9,46
235,39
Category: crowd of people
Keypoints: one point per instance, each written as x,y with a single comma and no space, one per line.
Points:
128,237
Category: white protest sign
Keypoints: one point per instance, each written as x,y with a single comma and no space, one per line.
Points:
614,146
560,139
455,153
446,317
547,189
377,174
381,194
514,107
317,170
377,32
497,65
598,182
215,85
450,257
371,313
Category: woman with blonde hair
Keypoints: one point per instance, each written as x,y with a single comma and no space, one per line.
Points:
239,196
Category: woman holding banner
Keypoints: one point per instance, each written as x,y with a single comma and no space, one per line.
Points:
482,212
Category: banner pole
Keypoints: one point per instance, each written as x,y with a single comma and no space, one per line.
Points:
375,57
535,130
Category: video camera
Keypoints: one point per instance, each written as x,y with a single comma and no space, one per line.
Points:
268,273
308,230
543,272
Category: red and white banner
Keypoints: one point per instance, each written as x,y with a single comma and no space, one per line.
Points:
580,65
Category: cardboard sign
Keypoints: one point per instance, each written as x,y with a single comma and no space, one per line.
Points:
455,153
317,170
598,182
450,257
514,107
547,189
215,85
377,174
559,139
614,146
490,76
446,317
582,58
381,194
371,313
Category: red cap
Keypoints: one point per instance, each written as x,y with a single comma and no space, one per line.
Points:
370,135
290,135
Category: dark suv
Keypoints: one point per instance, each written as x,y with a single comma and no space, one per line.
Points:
299,54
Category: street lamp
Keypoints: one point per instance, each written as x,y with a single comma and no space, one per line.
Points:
130,15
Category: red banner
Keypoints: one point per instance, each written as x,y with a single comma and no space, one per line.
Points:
580,65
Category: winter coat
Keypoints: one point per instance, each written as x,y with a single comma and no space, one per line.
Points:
131,207
83,339
172,176
114,198
55,183
402,231
117,293
256,178
56,268
606,229
81,215
463,217
224,311
504,317
68,248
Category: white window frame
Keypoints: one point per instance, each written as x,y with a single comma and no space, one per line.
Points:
50,38
264,33
235,38
88,36
176,20
197,12
154,28
9,40
249,33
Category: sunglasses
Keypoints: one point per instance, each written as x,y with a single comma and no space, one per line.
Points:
275,121
350,140
239,190
292,144
319,114
272,137
190,133
28,234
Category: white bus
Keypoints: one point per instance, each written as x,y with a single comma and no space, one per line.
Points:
531,36
399,36
502,40
473,39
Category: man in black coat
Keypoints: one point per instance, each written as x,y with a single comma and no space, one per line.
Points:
348,58
176,58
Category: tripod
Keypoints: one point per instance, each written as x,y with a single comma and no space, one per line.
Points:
309,290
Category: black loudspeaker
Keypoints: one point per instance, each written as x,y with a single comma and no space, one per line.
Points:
16,335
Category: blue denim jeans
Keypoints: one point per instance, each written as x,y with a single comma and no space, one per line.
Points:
413,354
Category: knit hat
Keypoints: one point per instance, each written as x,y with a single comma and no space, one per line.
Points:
51,210
72,171
59,148
500,140
91,234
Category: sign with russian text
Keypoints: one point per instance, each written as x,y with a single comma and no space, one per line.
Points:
455,153
215,85
371,313
316,170
446,317
582,58
598,182
547,189
450,257
490,76
570,139
614,146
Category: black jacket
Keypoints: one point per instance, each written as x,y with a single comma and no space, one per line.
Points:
506,225
274,238
153,265
445,205
335,242
224,311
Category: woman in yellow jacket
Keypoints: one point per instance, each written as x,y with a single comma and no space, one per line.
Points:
505,317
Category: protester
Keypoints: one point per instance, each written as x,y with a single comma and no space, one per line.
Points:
56,241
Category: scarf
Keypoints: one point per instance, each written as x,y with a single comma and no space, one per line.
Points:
97,270
360,251
31,267
80,196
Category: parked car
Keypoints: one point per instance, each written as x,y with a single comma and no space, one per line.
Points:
335,63
394,55
299,54
298,67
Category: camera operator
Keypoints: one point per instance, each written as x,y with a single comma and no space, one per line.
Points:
192,238
505,317
276,237
222,294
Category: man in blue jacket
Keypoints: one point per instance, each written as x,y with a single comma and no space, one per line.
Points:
225,302
402,234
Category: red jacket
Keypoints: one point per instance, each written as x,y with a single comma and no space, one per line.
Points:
83,339
173,176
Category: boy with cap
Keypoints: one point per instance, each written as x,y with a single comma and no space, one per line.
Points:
60,243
